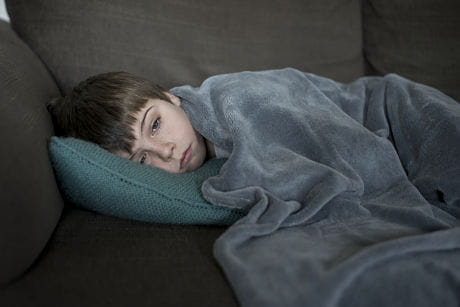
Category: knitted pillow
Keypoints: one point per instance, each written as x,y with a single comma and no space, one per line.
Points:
98,180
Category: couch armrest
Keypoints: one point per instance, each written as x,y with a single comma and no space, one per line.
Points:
29,200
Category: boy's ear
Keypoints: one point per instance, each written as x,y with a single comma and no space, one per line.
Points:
174,99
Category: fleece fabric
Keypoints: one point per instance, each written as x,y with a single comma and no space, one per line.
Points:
353,190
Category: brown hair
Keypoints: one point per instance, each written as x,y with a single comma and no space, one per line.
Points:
100,109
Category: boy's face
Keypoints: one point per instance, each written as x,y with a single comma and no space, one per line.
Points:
165,138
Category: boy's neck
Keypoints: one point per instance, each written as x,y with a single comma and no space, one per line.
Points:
210,151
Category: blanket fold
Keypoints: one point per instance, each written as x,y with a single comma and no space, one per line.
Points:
344,183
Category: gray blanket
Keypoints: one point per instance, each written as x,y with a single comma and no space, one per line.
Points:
353,190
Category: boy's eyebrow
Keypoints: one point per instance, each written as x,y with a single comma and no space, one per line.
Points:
142,128
145,116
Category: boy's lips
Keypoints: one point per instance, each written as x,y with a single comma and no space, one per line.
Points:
186,157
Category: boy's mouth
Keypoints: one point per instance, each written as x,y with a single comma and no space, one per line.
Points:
186,157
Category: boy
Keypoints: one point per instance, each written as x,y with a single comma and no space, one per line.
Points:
334,177
133,118
276,124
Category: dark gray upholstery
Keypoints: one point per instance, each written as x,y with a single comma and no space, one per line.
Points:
418,39
30,203
92,260
182,42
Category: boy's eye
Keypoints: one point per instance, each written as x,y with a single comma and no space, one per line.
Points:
156,125
143,158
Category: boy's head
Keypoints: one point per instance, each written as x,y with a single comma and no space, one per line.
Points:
109,109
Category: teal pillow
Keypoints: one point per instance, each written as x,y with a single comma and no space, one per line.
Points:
98,180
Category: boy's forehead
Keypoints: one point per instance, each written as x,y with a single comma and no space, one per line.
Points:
151,102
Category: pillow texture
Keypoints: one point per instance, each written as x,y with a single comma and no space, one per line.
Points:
98,180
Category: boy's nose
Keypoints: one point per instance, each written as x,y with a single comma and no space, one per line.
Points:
164,150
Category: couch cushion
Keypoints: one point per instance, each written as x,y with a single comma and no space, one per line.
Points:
98,180
418,39
30,205
94,261
183,42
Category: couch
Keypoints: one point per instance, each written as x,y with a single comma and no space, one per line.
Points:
53,253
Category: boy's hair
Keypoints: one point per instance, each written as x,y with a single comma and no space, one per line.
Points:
100,109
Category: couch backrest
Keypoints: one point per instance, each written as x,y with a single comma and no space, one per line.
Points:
418,39
30,204
183,42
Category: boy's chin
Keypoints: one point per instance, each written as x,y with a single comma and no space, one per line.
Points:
194,165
